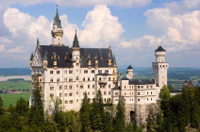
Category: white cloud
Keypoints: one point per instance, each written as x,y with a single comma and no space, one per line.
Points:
127,3
145,42
100,28
176,32
183,6
2,48
18,49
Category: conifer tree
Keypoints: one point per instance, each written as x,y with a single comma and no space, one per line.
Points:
97,113
119,121
164,93
59,116
36,117
1,107
21,106
85,115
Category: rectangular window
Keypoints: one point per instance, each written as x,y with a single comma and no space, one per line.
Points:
70,94
51,88
51,80
99,71
92,71
70,71
70,79
58,72
66,101
85,71
106,71
71,101
51,72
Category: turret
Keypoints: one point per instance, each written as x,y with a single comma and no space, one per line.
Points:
57,31
31,59
160,54
160,67
76,49
114,69
129,73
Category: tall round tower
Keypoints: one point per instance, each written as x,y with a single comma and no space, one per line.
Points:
57,32
129,73
160,67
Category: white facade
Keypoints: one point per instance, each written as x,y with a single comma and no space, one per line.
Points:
67,73
160,67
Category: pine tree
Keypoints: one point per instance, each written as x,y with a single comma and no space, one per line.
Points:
36,117
1,107
59,116
119,121
21,106
164,93
97,113
85,115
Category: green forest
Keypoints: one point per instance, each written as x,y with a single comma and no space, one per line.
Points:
179,113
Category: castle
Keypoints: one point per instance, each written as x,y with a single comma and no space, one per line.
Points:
68,72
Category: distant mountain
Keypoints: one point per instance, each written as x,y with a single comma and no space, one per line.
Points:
14,71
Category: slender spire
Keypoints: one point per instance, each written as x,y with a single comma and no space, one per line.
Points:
31,58
38,42
114,61
57,20
75,42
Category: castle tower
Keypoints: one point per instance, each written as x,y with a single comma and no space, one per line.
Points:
57,31
76,49
129,73
160,67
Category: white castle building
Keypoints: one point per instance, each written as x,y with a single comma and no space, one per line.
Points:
67,72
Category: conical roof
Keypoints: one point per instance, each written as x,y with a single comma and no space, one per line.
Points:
75,42
57,20
160,48
31,58
130,67
114,61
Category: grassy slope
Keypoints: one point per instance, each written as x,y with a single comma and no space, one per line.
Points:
21,85
12,98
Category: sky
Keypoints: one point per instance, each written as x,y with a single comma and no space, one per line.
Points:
133,28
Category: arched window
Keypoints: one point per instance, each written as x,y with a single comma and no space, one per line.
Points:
70,87
51,88
60,87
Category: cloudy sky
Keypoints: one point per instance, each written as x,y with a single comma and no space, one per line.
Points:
133,28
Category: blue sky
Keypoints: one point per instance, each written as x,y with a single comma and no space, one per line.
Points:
133,28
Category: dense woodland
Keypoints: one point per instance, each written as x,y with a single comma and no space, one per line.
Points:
177,114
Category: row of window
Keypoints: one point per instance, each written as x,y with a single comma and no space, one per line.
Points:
85,71
77,86
84,79
71,94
